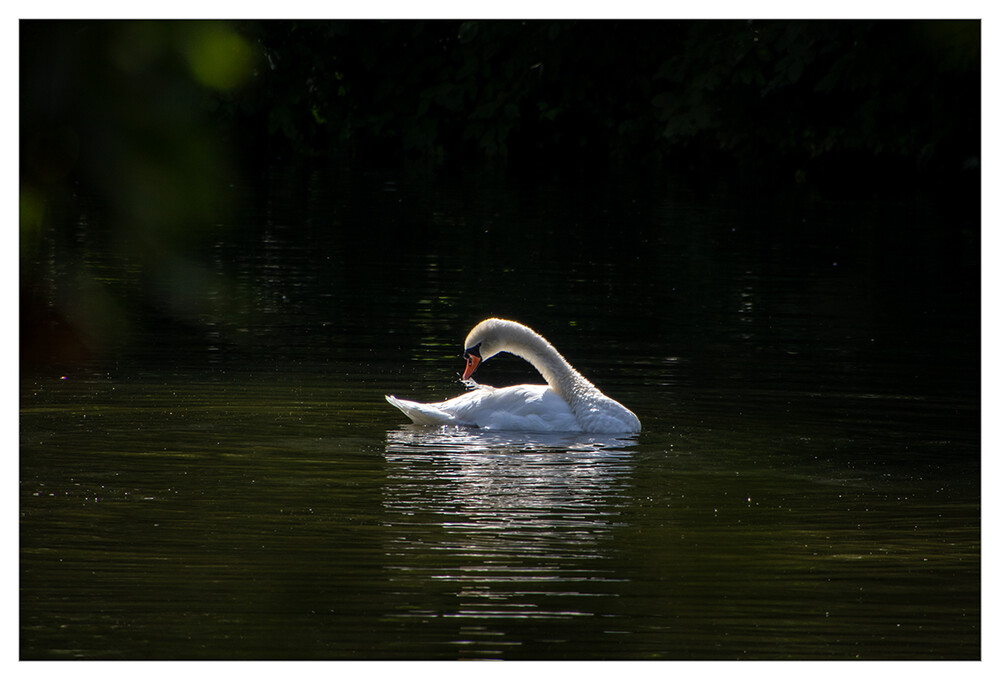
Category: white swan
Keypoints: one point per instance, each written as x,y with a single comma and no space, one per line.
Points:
568,403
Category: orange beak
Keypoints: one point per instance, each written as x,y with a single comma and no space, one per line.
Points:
471,366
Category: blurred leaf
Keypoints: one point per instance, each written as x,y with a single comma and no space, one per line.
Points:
218,56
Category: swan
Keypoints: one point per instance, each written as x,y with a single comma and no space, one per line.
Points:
567,403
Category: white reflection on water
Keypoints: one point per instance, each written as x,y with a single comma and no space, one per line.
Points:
478,479
421,439
486,528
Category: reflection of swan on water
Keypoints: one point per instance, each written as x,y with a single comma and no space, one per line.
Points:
485,527
504,472
568,403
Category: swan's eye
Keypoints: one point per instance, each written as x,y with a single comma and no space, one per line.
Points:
473,351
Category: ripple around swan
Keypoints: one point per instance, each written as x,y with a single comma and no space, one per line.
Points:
412,439
477,478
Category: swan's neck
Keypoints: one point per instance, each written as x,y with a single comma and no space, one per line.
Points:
558,372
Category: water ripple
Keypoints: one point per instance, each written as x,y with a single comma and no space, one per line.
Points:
504,526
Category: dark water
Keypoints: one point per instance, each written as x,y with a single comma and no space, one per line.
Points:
230,483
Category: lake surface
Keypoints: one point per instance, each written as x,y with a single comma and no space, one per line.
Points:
230,484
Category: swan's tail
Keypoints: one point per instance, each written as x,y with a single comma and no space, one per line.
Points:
421,414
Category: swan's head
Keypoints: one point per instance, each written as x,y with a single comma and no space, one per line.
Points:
487,339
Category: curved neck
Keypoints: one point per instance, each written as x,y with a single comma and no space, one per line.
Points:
537,351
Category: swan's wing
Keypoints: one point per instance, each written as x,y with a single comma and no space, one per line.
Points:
527,408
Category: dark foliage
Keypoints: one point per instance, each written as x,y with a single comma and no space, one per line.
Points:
794,100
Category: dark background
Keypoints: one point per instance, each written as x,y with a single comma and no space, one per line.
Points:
143,143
